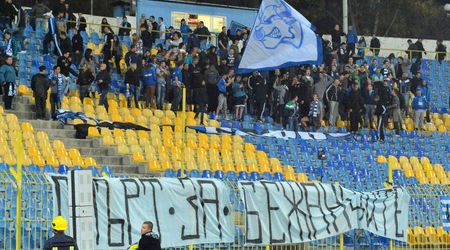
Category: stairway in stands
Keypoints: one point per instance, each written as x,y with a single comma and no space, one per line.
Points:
89,147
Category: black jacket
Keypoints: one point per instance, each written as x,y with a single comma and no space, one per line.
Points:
375,43
40,84
201,96
355,102
85,78
147,39
65,45
132,77
131,57
64,63
419,47
155,35
336,36
60,241
106,77
125,32
196,76
77,43
149,241
202,33
369,99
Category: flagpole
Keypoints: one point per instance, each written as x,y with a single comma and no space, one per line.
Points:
345,16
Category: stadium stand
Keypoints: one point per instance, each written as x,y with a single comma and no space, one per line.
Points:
420,160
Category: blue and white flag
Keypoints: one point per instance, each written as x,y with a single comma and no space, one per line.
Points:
281,37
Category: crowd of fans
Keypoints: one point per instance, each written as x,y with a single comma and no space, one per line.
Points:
162,60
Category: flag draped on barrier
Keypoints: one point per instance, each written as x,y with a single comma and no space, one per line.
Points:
290,213
281,37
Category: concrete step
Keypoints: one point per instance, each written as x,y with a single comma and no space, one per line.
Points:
44,124
22,115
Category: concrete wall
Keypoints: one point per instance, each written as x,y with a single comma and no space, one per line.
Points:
395,43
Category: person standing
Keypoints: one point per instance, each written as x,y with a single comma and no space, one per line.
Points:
440,50
369,103
84,81
352,39
281,89
239,97
427,93
37,12
332,97
103,80
60,240
56,89
315,115
184,29
355,106
292,109
8,81
161,72
375,45
419,104
201,100
77,46
40,84
132,85
117,52
162,31
412,50
149,239
405,88
224,82
177,81
203,34
149,80
107,45
10,46
381,113
336,37
212,78
396,112
125,29
223,43
81,22
420,49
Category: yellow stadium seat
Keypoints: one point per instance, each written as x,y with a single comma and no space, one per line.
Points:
135,148
427,167
26,126
290,176
413,160
443,235
241,168
216,166
73,152
24,90
147,113
66,161
301,177
431,235
166,165
154,166
75,160
228,167
253,168
89,161
57,144
129,119
32,152
408,173
438,167
52,161
138,157
423,180
38,160
93,131
288,169
158,113
434,181
122,149
264,168
424,160
108,141
170,114
277,169
381,159
61,152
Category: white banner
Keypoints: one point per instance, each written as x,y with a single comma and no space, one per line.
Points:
183,211
290,213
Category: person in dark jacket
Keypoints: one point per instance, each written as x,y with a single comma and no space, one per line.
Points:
64,62
192,41
153,28
64,43
60,240
132,85
415,82
103,81
355,106
201,100
84,81
336,37
38,11
131,56
77,47
126,27
40,85
419,47
381,113
149,239
81,23
7,81
203,35
147,40
369,103
440,50
411,50
375,45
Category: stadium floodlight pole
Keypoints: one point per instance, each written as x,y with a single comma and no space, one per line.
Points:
183,129
345,16
92,7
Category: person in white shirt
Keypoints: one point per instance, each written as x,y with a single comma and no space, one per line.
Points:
162,29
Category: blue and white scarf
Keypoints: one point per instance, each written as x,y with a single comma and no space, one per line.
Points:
9,49
314,109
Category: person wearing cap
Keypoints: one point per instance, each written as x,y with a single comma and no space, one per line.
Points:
40,84
60,241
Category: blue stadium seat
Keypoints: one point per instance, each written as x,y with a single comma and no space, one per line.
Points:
179,173
169,173
207,174
231,176
49,169
254,176
194,173
107,171
267,176
63,169
243,176
95,172
77,167
219,174
278,177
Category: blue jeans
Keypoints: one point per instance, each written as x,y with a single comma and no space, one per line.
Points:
160,95
103,101
368,116
293,124
133,92
177,95
203,44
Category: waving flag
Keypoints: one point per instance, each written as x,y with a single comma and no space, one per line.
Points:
281,37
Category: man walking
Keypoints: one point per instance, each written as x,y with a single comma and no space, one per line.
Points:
40,84
103,80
